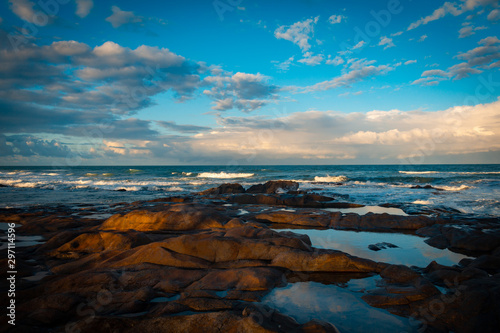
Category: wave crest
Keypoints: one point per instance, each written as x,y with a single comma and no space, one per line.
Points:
224,175
330,179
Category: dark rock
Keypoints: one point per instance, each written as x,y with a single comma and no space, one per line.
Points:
274,186
427,187
381,246
224,189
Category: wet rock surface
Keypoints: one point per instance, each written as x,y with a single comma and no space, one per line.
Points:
198,264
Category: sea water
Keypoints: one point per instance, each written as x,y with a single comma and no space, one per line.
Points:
471,189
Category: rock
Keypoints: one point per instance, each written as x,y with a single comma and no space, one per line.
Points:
466,240
399,273
295,219
488,263
274,186
98,242
224,189
324,261
176,217
249,279
252,318
381,246
427,187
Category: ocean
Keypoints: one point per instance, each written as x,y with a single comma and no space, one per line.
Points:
470,189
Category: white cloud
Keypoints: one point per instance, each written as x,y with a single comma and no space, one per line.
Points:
243,91
494,15
298,33
358,71
311,60
386,41
120,17
372,136
476,60
359,45
452,8
84,7
410,62
23,9
422,38
285,65
334,19
335,61
399,33
469,30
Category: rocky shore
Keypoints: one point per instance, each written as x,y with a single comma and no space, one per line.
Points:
204,263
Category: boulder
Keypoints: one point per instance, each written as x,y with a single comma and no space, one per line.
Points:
274,186
227,188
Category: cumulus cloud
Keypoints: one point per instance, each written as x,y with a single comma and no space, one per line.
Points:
359,45
243,91
298,33
374,136
422,38
312,60
83,7
121,17
23,9
469,30
409,62
387,42
335,61
334,19
494,15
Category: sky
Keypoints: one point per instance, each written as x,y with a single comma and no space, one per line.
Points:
242,82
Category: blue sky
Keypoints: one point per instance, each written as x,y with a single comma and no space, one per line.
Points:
249,82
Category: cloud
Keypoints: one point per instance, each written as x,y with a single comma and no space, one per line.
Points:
469,30
120,17
27,146
334,19
83,7
358,71
374,136
387,42
494,15
409,62
476,60
243,91
359,45
452,8
23,9
422,38
172,126
311,60
399,33
298,33
285,65
335,61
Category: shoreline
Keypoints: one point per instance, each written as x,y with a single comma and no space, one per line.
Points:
214,256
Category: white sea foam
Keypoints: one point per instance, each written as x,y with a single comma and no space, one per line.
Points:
187,173
330,179
224,175
455,188
422,202
418,172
